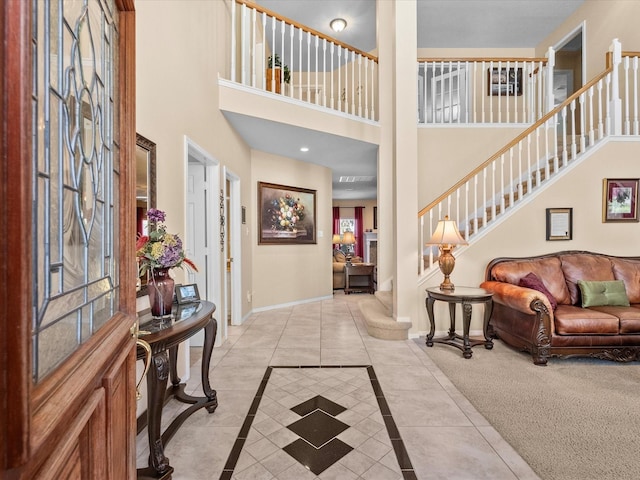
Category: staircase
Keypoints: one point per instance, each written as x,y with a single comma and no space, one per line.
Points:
377,313
535,157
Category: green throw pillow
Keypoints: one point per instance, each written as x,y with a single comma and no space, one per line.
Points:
595,294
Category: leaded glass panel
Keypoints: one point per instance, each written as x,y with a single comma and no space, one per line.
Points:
76,159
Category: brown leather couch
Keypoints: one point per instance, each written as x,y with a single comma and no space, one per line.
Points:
339,261
525,318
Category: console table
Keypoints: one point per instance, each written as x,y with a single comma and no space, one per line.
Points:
164,335
358,278
466,296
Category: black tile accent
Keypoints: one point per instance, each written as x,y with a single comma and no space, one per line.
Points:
318,403
318,428
317,459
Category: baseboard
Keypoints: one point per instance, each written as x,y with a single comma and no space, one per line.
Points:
291,304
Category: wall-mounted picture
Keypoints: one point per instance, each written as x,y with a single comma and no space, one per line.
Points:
559,223
503,81
620,200
287,215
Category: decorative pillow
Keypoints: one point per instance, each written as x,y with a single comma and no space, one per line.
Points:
597,294
531,280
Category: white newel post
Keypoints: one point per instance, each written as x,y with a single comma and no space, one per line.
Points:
551,63
615,107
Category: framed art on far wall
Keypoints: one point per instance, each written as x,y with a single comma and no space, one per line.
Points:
620,200
286,215
559,223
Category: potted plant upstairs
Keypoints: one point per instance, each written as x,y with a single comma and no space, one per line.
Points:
274,74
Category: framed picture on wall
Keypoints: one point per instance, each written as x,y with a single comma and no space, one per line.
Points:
620,200
505,81
559,223
286,215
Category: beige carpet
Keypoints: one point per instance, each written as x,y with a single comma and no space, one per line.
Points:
573,419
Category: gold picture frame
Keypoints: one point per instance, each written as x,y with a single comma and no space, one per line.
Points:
286,215
620,200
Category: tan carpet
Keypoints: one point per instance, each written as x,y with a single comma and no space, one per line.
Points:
573,419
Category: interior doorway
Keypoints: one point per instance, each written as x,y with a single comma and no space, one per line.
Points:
201,243
233,249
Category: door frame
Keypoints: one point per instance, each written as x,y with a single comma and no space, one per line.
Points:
195,152
234,229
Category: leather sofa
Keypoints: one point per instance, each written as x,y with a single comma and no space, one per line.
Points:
583,323
339,261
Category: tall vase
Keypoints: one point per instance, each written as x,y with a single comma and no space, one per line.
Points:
161,288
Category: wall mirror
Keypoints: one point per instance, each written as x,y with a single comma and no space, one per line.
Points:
145,190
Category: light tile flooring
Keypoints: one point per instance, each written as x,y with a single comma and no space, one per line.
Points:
444,436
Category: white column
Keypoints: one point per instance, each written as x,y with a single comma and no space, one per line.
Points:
615,106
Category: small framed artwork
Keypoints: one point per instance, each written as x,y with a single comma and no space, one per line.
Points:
503,81
375,218
244,214
187,294
559,223
287,215
620,200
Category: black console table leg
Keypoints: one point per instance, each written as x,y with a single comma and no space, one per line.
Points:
156,386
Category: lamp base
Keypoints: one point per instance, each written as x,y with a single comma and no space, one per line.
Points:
446,262
447,285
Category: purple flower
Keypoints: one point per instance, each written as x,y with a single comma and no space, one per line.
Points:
154,215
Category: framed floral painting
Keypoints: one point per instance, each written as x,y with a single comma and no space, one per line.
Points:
287,215
620,200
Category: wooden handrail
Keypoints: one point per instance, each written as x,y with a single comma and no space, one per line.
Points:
261,9
485,59
515,141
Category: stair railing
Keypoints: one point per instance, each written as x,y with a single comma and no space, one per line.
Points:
482,90
572,127
279,55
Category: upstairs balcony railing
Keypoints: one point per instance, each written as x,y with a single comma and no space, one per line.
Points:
273,53
586,117
483,90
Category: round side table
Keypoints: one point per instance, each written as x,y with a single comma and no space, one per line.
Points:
467,297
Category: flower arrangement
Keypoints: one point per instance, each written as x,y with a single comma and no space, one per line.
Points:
160,249
286,213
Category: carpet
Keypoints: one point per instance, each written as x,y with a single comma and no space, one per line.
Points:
575,418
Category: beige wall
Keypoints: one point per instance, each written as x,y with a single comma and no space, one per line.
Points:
524,233
604,21
285,274
181,47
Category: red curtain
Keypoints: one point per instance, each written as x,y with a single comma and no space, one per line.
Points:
359,233
336,221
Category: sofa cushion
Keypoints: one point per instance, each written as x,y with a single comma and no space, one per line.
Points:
339,256
584,266
629,317
571,320
548,269
597,293
531,280
629,272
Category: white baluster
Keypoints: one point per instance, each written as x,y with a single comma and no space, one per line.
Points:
316,86
333,105
233,41
292,31
253,48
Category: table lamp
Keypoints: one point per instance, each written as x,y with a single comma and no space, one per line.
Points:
446,236
336,240
348,239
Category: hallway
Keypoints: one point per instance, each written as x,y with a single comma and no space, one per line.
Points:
442,433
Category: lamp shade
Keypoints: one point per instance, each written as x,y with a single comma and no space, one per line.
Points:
348,238
336,238
446,233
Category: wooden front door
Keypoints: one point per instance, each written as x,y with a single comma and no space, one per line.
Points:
67,271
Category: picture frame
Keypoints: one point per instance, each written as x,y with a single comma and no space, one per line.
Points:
620,200
559,224
286,215
187,294
504,82
375,218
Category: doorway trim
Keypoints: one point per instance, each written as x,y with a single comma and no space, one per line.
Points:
233,212
196,153
580,29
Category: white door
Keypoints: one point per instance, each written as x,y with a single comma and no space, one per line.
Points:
233,214
449,94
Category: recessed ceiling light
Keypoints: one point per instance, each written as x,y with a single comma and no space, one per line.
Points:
304,149
338,24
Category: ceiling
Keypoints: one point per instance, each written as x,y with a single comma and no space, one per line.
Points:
441,24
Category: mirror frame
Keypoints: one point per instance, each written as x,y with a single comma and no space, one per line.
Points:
150,147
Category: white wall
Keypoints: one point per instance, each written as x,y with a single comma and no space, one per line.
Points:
285,274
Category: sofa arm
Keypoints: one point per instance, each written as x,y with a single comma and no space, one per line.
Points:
518,298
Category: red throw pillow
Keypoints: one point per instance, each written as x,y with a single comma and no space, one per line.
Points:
531,280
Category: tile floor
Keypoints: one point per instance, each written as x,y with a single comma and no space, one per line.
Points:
382,411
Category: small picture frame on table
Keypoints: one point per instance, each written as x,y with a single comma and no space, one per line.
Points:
620,200
559,224
187,294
